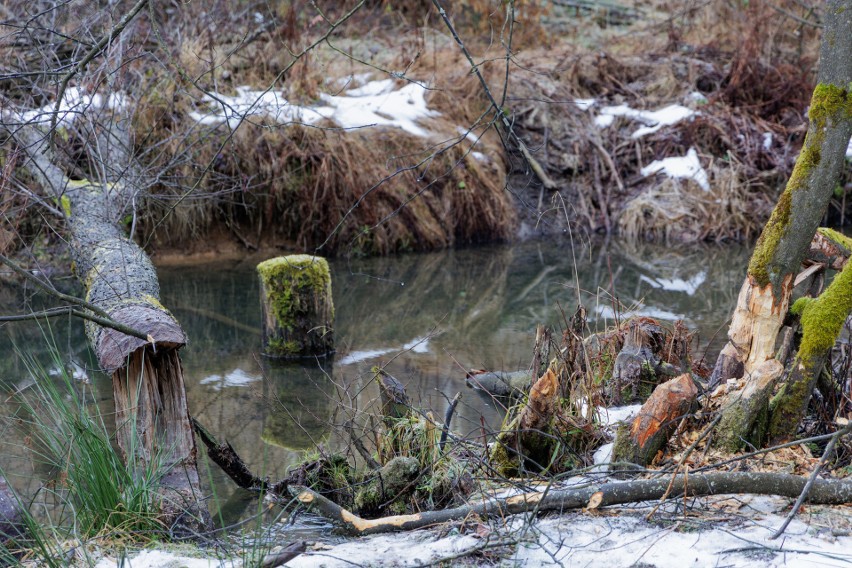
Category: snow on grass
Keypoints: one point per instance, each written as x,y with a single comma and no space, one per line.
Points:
688,167
653,120
689,286
584,104
376,103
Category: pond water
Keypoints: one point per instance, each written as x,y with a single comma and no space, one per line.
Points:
427,317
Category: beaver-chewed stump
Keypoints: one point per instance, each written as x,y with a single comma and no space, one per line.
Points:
298,312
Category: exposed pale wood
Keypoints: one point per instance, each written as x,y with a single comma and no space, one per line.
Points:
758,317
656,421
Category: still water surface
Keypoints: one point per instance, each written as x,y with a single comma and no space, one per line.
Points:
428,317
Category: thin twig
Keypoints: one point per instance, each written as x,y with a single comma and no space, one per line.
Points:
94,52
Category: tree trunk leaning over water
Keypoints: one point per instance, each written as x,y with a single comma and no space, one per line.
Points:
764,298
152,419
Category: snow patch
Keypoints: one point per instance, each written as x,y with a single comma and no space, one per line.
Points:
688,167
374,104
584,104
160,559
653,120
75,102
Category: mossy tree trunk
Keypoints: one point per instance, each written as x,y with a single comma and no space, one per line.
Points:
151,415
765,295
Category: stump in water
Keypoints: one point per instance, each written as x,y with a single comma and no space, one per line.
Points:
298,312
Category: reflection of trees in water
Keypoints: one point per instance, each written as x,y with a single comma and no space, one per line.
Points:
301,404
392,300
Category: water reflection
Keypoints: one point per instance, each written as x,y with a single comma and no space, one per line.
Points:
428,317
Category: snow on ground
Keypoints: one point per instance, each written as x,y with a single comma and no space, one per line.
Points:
654,120
731,531
688,167
376,103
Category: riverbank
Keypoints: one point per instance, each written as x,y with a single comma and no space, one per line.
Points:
651,122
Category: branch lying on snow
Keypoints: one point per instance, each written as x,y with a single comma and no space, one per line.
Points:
823,491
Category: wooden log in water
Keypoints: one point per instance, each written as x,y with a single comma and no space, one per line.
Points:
298,311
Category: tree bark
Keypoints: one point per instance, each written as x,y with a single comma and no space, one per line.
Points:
765,295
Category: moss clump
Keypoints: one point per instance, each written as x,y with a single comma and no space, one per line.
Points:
387,490
837,237
822,319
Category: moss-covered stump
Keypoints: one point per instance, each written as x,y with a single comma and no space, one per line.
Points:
386,490
298,312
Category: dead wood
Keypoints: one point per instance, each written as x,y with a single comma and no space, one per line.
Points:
656,421
500,383
823,491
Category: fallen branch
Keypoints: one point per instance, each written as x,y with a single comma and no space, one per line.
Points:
829,449
823,491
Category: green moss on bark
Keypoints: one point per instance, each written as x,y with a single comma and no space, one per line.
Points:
829,103
822,319
837,237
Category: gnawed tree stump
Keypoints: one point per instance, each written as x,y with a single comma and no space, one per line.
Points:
151,414
785,240
656,421
525,441
298,311
744,418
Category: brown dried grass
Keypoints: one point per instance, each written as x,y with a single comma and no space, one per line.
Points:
363,191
